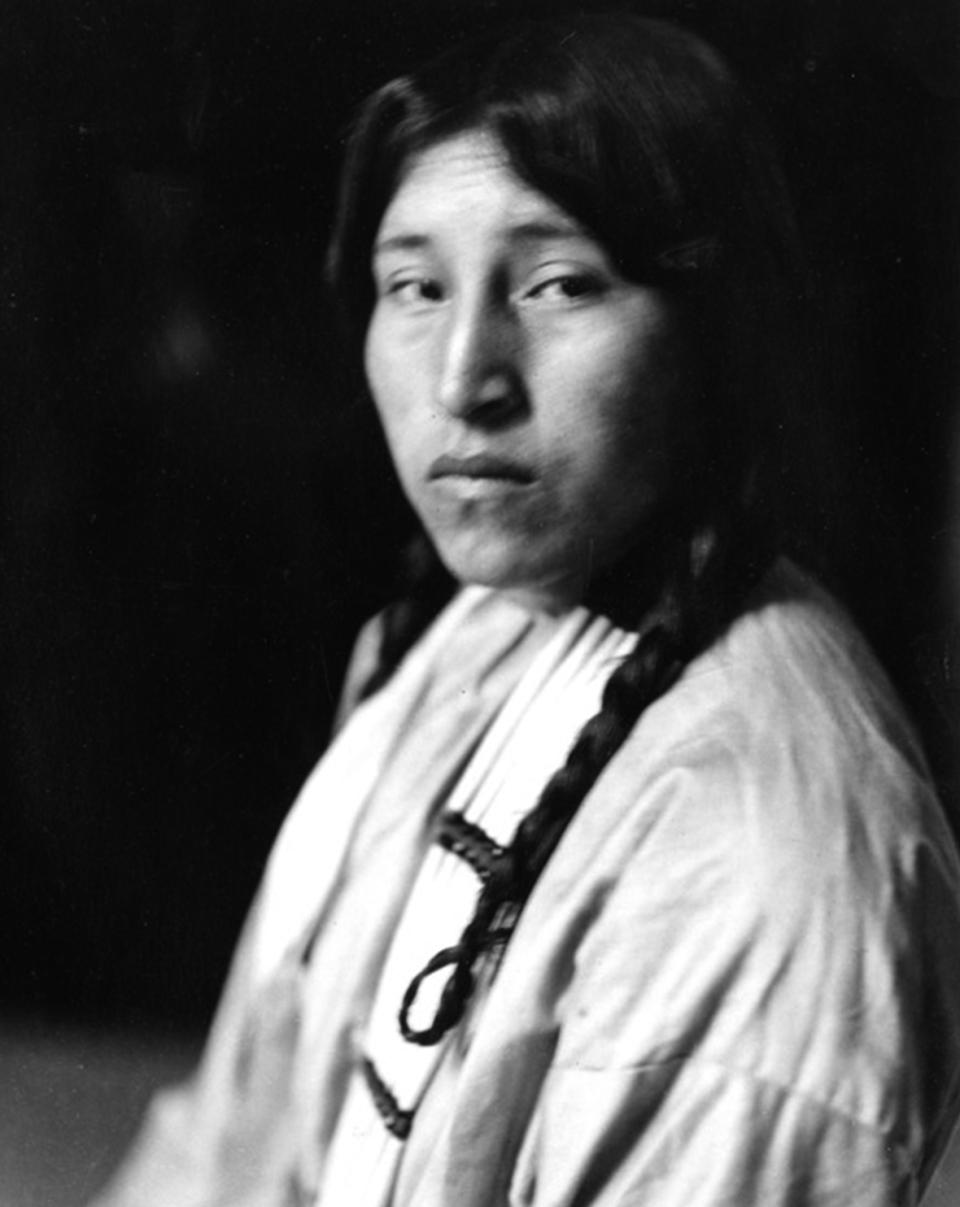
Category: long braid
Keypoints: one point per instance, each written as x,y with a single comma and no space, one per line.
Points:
703,592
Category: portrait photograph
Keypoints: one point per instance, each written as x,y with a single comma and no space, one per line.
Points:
480,603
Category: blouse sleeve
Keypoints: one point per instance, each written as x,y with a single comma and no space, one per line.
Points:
177,1157
216,1140
747,1023
689,1134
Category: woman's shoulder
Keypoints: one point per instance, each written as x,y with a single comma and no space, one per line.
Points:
794,666
782,750
766,863
792,700
796,650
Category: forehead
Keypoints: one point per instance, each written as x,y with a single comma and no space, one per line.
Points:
463,183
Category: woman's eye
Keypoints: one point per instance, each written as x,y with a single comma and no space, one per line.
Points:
414,291
565,287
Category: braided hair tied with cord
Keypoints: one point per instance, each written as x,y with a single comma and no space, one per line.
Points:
640,133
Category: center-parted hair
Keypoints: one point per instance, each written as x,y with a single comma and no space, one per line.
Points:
641,133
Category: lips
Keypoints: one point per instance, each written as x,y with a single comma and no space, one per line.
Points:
481,466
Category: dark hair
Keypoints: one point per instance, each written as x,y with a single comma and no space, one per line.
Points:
638,130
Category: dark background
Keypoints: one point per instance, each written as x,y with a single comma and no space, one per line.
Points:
195,513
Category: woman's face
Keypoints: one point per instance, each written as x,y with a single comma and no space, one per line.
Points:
538,406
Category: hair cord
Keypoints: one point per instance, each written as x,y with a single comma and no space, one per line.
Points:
641,134
702,595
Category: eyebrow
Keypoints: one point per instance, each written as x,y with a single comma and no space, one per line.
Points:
400,243
544,229
536,230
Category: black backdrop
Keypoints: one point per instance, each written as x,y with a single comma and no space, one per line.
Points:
196,513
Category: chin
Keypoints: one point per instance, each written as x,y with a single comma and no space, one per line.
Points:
541,587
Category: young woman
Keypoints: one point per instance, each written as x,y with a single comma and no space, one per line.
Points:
623,881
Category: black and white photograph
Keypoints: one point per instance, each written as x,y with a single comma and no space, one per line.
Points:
480,603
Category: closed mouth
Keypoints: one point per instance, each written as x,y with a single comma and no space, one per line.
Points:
481,465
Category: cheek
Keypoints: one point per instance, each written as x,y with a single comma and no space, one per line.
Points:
400,371
654,395
628,428
389,387
377,370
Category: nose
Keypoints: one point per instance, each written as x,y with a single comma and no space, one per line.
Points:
479,378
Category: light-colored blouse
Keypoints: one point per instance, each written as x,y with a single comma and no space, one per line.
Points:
737,981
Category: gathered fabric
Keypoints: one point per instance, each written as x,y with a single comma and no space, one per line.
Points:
527,740
737,980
